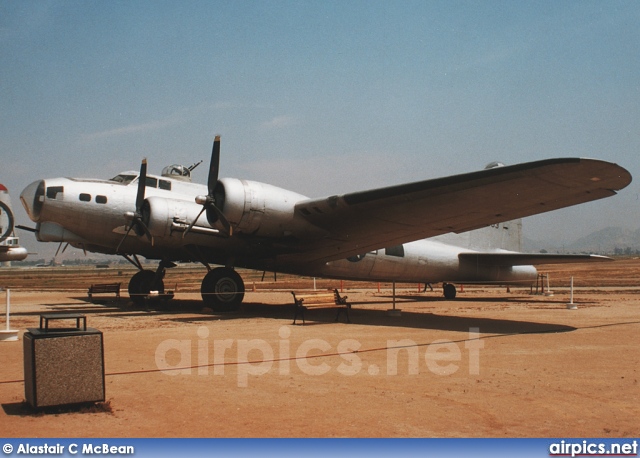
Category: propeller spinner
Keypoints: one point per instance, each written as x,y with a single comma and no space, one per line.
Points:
208,202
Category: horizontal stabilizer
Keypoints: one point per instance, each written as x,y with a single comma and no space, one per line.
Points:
526,259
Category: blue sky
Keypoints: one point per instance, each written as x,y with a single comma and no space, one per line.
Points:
322,97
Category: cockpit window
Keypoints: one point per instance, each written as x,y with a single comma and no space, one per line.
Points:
53,191
124,179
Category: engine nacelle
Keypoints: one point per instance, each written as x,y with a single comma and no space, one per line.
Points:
249,206
258,208
161,215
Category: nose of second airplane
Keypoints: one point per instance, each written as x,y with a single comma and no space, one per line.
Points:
32,198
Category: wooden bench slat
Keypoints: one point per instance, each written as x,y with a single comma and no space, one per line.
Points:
315,300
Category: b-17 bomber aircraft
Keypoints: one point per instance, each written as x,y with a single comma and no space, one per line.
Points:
10,249
461,229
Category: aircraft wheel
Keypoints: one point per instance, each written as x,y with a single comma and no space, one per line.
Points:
449,291
222,289
141,284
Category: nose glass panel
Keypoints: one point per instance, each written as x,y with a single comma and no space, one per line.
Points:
32,199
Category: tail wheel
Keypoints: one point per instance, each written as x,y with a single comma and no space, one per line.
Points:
141,284
449,291
222,289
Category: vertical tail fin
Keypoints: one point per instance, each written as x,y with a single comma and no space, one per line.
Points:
504,236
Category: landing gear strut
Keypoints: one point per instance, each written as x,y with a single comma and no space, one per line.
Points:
222,289
449,290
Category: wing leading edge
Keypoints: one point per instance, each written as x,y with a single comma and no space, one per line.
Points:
362,221
526,259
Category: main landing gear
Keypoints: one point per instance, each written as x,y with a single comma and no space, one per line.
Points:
222,288
145,281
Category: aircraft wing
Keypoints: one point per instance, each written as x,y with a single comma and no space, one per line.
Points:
358,222
528,259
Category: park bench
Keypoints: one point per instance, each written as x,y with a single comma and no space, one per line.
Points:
104,288
302,302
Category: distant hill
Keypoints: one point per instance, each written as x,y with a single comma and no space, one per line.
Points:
611,240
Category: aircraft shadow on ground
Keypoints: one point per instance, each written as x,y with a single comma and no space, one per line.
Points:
457,323
371,317
458,299
359,315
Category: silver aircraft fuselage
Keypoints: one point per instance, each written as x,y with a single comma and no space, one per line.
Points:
459,229
89,214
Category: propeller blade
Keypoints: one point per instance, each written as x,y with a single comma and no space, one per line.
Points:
142,228
194,222
208,202
126,234
142,184
220,217
145,230
136,217
214,166
58,250
25,228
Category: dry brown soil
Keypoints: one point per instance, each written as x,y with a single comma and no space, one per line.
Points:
534,368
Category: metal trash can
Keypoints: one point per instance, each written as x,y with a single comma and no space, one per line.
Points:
63,365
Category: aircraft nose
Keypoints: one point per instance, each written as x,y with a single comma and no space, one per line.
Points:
32,198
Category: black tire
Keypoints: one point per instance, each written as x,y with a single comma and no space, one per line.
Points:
8,227
222,290
449,291
142,284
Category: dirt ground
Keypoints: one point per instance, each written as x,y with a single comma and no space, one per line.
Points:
492,363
